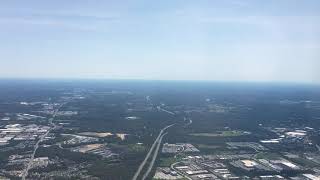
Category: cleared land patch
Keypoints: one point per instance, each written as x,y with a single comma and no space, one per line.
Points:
96,134
222,134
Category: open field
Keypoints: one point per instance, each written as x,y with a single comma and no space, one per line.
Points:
222,134
89,147
96,134
166,162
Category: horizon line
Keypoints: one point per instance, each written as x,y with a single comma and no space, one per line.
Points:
159,80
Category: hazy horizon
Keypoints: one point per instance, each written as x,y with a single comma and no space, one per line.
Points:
228,41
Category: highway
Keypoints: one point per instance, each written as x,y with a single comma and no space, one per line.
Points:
164,110
157,140
26,171
153,158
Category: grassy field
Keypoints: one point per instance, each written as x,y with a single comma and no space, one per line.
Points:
137,148
166,162
132,148
205,146
221,134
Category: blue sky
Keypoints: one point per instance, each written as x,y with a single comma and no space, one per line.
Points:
230,40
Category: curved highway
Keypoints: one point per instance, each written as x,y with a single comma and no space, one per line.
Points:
153,158
149,153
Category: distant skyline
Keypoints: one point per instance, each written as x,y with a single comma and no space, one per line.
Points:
229,40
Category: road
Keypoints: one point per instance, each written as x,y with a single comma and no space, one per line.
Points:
153,158
26,171
164,110
149,153
181,174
